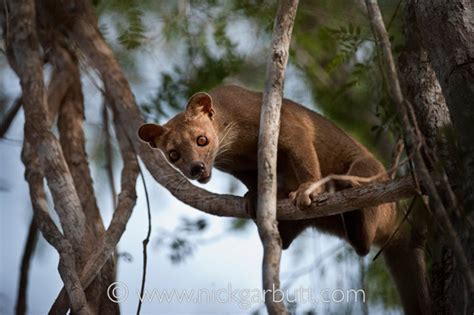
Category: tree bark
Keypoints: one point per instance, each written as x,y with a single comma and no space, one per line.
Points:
267,155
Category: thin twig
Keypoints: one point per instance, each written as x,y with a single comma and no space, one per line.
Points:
394,15
9,116
145,242
397,154
405,217
28,252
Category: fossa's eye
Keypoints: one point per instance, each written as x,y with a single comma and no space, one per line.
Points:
202,141
174,155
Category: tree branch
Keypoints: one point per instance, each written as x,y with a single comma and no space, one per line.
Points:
267,154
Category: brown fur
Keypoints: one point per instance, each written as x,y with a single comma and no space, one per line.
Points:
309,147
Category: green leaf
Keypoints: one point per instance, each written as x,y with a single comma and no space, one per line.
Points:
133,35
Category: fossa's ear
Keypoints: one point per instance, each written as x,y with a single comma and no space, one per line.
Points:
150,133
199,104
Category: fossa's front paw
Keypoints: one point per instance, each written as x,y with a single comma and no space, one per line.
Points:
304,195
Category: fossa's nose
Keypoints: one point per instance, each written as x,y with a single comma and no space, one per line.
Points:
197,169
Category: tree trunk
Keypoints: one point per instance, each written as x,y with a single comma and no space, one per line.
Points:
440,45
447,32
440,201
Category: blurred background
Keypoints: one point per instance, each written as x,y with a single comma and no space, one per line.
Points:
169,50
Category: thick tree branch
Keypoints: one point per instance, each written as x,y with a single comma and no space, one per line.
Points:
267,154
412,139
62,79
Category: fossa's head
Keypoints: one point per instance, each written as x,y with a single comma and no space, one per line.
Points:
188,140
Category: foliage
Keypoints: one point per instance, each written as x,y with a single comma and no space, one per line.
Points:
132,36
349,39
182,83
